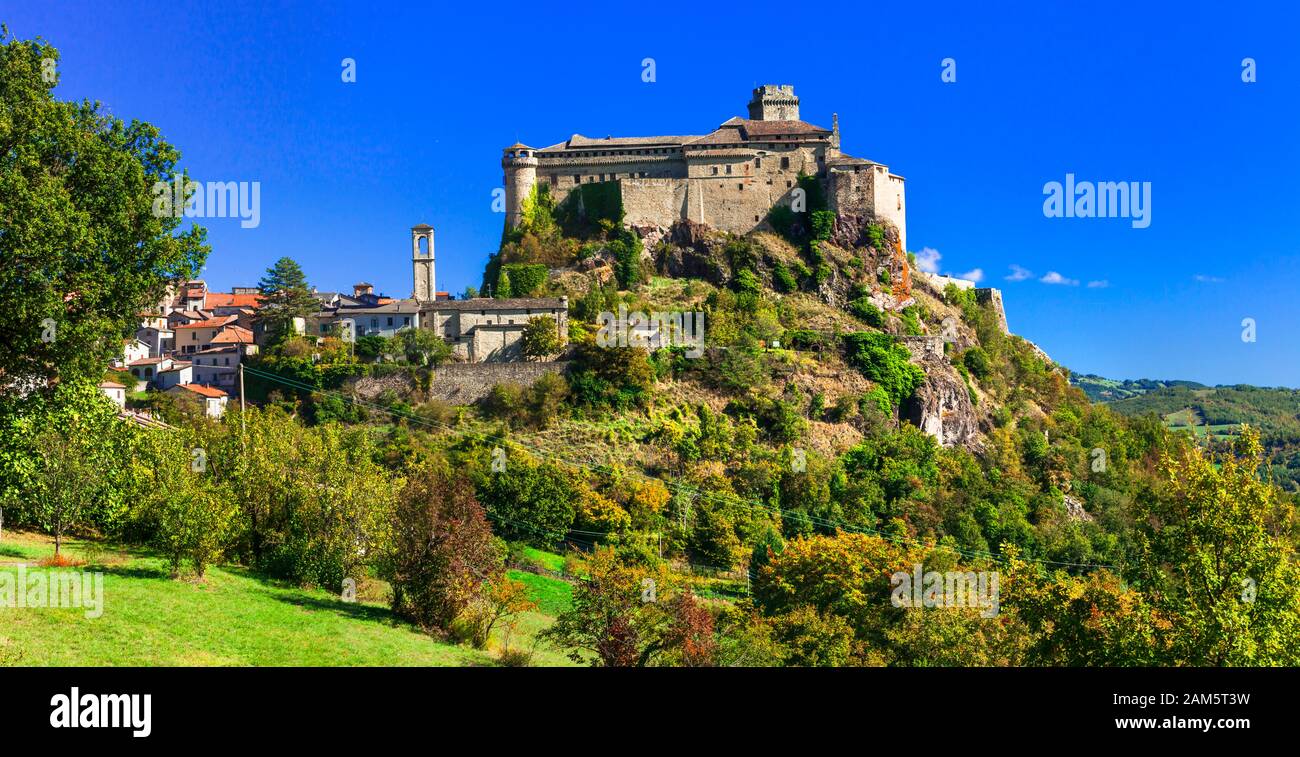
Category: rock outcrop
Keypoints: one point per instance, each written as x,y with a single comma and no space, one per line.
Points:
941,406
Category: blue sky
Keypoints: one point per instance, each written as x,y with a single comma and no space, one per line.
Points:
1106,91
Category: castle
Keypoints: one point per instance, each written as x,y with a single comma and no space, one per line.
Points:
728,179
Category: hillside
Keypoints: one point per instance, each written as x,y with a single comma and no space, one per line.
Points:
1101,389
1218,412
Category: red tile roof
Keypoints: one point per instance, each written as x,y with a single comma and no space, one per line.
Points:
233,335
211,323
204,390
226,299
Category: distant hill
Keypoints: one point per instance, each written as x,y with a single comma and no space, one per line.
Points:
1218,412
1101,389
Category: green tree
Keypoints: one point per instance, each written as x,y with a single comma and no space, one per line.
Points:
619,616
285,297
420,347
529,501
68,480
1212,563
542,337
83,252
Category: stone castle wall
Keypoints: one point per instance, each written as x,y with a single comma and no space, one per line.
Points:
464,383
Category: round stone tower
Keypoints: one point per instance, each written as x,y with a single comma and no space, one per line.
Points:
519,162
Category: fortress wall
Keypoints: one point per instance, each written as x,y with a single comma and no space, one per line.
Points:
851,191
560,174
988,295
463,383
653,202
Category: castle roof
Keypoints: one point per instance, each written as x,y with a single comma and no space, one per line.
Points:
752,129
734,131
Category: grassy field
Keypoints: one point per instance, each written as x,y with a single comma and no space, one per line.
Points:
232,617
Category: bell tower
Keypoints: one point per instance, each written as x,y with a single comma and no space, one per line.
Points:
422,265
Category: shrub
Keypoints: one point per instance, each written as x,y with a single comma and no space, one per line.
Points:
872,315
785,280
977,362
529,501
442,549
884,361
823,224
525,279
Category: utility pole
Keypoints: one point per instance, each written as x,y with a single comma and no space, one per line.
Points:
243,424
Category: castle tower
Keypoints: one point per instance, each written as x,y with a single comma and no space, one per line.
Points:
422,265
774,102
520,165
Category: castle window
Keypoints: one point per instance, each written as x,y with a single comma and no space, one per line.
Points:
728,169
789,184
785,162
577,178
741,187
715,170
758,162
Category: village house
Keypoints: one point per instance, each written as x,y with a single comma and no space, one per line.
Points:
115,392
211,399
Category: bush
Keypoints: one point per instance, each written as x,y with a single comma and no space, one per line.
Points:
442,549
525,279
884,361
785,281
872,315
823,224
528,501
977,362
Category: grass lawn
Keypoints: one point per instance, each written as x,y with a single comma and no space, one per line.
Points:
232,617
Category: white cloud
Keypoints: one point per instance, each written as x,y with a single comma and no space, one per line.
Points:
1053,277
1019,273
1098,284
1208,279
976,275
928,260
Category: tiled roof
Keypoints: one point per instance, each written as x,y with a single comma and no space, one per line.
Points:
202,389
110,385
211,323
226,299
579,142
233,335
148,361
774,128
